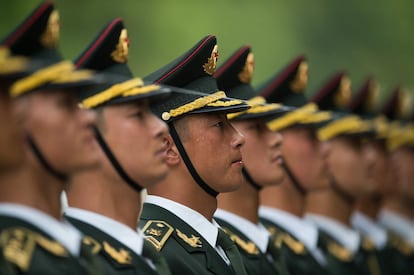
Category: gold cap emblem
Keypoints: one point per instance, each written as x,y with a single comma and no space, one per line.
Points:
246,75
343,95
211,65
300,81
50,36
120,54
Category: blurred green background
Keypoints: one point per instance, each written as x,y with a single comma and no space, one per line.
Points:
362,37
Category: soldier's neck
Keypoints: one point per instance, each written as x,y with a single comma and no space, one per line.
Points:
32,186
243,202
180,187
404,207
107,195
328,203
284,197
369,206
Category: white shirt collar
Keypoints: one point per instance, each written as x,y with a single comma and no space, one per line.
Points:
208,230
61,231
345,235
397,223
370,228
257,233
119,231
305,232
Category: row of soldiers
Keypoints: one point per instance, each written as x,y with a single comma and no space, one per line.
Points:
246,181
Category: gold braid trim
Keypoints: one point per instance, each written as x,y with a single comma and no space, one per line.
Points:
293,117
316,117
399,136
257,105
220,103
194,105
113,91
349,124
382,127
141,90
11,64
40,77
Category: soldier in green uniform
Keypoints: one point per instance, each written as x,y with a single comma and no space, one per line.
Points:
364,217
349,161
396,214
304,160
34,238
237,211
11,136
104,203
204,159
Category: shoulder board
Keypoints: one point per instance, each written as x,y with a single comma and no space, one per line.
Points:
339,252
18,246
248,246
157,232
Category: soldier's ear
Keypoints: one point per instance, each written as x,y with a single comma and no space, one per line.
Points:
173,156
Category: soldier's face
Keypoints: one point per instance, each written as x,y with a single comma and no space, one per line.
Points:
11,137
262,156
306,156
61,129
213,146
382,171
403,165
349,162
136,137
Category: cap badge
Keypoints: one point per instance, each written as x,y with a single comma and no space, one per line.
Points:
211,65
50,36
246,75
120,54
343,95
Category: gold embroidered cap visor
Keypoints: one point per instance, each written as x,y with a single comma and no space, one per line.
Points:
183,102
121,90
60,75
305,116
260,109
346,125
400,135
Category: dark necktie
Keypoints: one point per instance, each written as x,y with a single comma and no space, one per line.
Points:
149,251
232,252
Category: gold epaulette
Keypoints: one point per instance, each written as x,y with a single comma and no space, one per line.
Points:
404,247
157,232
248,246
19,245
340,252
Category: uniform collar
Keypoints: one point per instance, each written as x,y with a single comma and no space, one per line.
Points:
208,230
346,236
370,228
301,230
397,223
119,231
61,231
256,233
